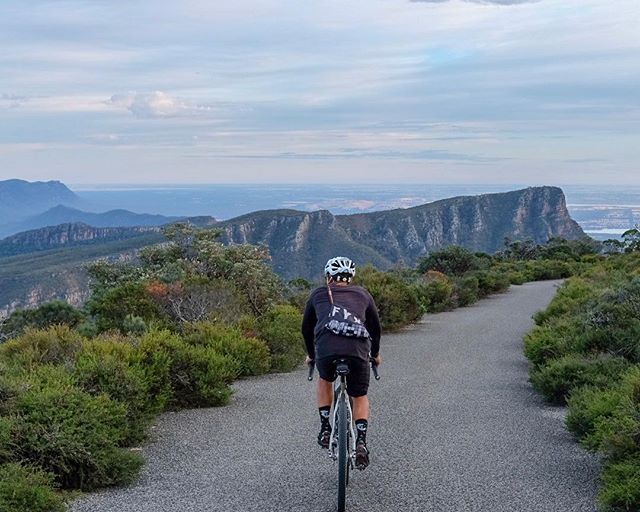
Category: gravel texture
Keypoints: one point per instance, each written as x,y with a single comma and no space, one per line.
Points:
455,427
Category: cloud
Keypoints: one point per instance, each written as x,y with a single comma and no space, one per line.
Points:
159,104
150,105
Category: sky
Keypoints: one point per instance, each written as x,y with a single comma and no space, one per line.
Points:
329,91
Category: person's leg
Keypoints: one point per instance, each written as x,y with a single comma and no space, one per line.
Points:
361,407
325,393
358,389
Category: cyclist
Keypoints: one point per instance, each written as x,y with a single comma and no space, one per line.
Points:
341,321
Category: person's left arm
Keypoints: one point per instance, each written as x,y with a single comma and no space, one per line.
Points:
308,327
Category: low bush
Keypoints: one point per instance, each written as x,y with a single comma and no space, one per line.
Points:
587,406
542,270
70,433
113,366
621,485
490,281
434,292
396,299
466,291
617,434
279,327
613,321
56,345
198,376
251,354
554,339
559,377
569,299
27,489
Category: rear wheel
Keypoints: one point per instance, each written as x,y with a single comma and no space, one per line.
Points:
343,456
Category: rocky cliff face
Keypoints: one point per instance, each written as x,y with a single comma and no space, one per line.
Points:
301,242
66,235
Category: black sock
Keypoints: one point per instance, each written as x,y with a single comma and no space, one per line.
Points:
361,427
324,417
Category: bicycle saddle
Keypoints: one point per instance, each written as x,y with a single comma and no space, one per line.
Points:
342,367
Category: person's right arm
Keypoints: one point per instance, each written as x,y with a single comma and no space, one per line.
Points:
308,327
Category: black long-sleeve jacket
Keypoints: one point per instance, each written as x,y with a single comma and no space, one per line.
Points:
358,301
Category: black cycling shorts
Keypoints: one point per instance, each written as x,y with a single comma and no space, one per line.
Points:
357,378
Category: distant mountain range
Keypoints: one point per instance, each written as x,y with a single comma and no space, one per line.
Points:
47,263
26,206
20,199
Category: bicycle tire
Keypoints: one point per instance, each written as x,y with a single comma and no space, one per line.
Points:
343,456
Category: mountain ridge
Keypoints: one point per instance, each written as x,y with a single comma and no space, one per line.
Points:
300,242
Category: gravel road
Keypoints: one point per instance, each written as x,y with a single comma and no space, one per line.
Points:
455,427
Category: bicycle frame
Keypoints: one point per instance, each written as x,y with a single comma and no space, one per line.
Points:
340,395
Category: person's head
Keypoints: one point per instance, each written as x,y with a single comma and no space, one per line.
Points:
340,270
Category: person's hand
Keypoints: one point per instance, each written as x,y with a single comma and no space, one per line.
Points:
377,360
308,360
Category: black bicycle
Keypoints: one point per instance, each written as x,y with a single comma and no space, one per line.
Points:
342,443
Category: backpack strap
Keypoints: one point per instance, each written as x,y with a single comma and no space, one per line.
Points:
329,292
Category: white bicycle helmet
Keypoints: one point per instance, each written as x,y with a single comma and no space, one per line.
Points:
341,267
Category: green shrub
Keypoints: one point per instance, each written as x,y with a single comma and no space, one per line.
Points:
26,489
621,485
112,306
614,321
70,433
48,314
113,366
588,405
6,427
559,377
517,278
569,299
542,270
452,261
435,292
554,339
491,282
251,354
280,329
466,291
617,435
198,376
396,299
56,345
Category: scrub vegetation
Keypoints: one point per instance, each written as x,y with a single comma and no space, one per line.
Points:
175,327
585,352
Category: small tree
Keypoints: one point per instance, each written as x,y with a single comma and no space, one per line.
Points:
631,240
56,312
453,261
